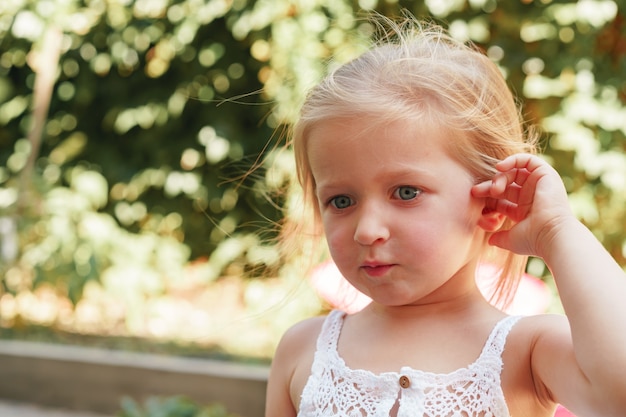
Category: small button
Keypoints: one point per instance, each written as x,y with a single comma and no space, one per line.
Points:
405,382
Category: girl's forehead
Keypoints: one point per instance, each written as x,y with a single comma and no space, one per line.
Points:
365,130
348,139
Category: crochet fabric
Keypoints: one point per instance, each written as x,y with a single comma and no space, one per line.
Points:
335,390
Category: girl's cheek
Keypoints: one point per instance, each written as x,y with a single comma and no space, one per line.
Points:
423,237
332,237
336,237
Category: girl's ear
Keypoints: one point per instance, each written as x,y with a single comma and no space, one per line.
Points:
491,220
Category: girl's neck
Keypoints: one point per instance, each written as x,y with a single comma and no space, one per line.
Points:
463,306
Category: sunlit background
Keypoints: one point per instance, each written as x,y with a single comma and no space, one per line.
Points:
127,128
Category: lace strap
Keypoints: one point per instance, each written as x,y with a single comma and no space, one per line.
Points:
497,339
329,335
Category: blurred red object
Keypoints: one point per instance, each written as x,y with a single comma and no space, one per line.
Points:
563,412
333,288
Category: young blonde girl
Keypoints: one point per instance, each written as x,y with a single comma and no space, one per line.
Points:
415,162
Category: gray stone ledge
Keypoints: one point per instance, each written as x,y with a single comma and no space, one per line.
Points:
96,379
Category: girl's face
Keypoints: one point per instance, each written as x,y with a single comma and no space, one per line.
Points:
397,211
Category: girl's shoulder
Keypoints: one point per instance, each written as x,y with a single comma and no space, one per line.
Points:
538,350
542,328
298,344
304,333
541,335
293,359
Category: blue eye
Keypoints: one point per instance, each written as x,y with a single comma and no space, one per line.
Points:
341,202
406,192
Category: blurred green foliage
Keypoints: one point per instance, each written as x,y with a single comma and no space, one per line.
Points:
158,108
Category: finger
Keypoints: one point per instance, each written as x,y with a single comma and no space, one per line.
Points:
505,240
513,175
482,189
499,184
526,161
512,194
501,187
513,211
501,240
491,188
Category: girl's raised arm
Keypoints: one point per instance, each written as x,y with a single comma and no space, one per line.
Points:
584,370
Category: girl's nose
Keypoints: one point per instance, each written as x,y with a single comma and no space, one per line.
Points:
371,227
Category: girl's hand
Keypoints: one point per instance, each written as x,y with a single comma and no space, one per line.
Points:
530,192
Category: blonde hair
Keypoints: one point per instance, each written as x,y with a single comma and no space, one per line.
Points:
416,71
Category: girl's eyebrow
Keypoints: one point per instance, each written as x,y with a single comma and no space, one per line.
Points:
328,189
408,170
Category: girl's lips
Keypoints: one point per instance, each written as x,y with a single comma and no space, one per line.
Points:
376,270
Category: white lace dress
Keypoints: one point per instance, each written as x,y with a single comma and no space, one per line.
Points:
335,390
